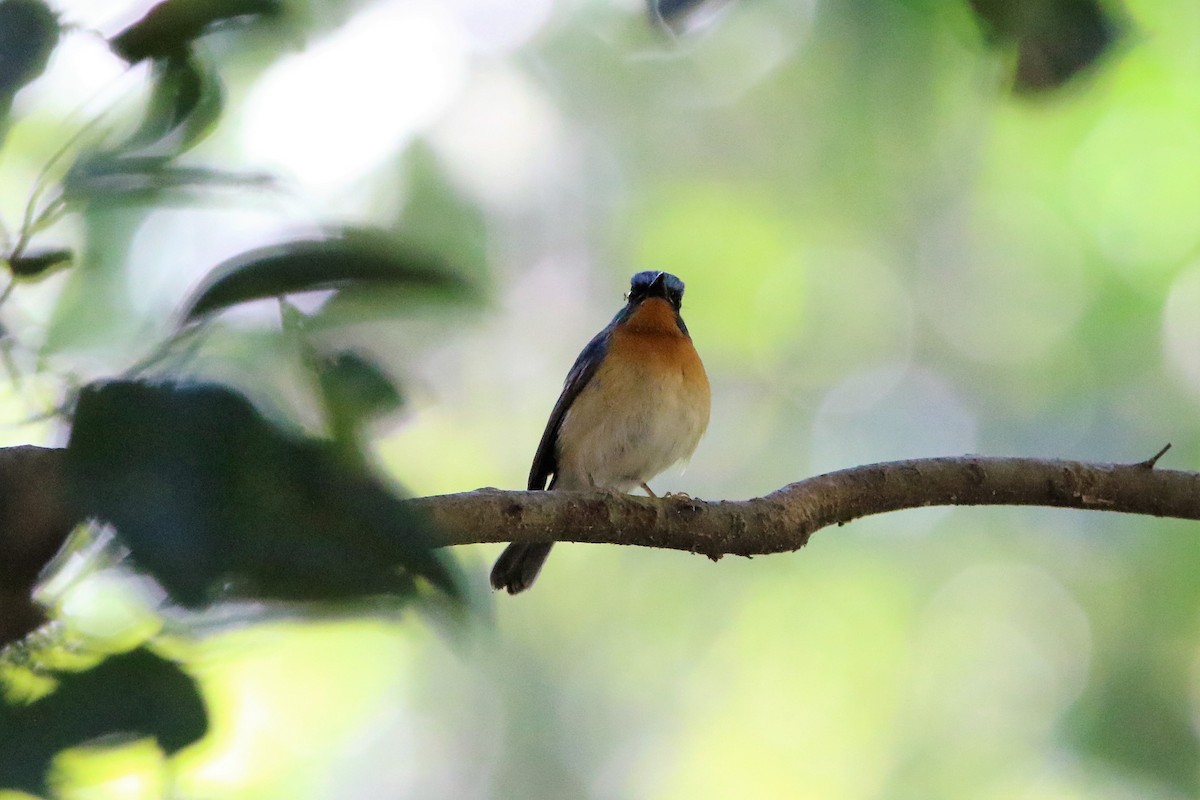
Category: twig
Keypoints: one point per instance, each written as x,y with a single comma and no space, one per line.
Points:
1152,460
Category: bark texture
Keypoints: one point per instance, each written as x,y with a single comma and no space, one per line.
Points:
35,516
34,522
785,519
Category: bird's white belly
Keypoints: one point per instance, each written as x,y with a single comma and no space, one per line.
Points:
627,427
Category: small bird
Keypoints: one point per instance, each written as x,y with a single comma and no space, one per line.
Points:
635,402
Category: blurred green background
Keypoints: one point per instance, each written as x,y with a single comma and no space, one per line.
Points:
888,255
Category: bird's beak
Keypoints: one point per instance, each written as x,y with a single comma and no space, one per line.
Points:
657,287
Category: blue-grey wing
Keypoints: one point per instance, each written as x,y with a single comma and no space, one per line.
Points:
545,461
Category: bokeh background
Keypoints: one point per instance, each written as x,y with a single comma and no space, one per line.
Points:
888,253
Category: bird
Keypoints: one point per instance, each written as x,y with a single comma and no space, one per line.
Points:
636,401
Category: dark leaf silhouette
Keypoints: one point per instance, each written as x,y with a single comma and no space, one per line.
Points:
38,263
1055,39
169,28
28,34
351,257
214,500
679,16
135,694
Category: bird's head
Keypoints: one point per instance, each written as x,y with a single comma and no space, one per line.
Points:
651,283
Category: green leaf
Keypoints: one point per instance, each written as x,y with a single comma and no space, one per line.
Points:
439,218
129,179
137,694
186,101
28,35
355,390
170,27
214,500
351,257
94,310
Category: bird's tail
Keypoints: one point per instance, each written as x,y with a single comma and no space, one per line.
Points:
519,565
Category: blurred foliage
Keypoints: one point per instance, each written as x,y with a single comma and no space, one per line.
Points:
344,259
887,254
136,694
209,496
354,389
1055,39
169,28
214,500
186,101
36,263
28,35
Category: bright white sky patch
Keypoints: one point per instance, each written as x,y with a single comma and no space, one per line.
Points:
327,116
502,139
501,26
83,77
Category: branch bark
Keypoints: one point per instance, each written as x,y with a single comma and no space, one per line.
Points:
35,521
785,519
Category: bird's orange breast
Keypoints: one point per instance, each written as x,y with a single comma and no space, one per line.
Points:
651,337
654,315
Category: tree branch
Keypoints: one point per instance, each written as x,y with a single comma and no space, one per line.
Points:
34,523
35,518
784,520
